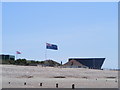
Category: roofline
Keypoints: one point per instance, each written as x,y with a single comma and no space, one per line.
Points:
86,58
7,54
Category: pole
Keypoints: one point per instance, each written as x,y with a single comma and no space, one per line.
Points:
45,54
16,56
46,51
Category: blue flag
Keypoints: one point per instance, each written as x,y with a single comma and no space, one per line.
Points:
51,46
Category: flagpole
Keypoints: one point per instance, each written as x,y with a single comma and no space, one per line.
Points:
45,53
16,55
17,52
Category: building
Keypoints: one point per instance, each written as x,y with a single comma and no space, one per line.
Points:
92,63
7,57
74,64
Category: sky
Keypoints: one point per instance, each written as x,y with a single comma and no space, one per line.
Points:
79,29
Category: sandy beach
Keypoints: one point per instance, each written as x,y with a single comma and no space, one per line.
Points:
15,77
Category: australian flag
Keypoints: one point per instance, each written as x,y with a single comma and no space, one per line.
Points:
51,46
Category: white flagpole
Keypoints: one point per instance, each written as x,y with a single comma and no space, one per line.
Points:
45,52
16,55
17,52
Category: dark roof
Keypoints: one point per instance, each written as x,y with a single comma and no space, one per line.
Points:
95,63
86,58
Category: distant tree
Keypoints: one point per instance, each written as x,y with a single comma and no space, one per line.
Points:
41,62
21,62
32,61
37,62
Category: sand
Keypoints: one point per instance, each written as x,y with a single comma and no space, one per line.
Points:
15,76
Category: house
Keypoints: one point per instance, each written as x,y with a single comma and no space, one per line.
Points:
74,64
92,63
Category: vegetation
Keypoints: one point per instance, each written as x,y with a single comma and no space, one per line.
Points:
20,62
31,62
50,63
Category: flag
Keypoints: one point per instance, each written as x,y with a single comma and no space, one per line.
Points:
17,52
51,46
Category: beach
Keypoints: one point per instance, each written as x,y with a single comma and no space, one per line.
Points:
14,76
